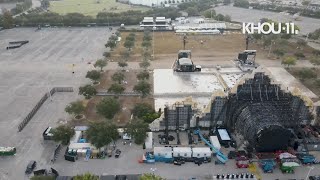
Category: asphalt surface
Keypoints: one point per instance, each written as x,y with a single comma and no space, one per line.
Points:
27,73
47,61
305,24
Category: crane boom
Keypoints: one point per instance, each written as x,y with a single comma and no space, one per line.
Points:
220,156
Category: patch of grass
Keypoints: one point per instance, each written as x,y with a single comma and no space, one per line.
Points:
90,7
309,77
168,43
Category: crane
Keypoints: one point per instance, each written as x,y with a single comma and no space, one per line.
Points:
220,156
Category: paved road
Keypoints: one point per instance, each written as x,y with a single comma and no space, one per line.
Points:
306,24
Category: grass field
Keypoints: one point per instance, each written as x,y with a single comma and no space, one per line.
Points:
168,43
90,7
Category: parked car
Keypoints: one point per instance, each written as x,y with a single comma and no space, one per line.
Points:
31,166
178,163
118,152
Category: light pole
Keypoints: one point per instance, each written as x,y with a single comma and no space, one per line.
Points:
154,28
272,42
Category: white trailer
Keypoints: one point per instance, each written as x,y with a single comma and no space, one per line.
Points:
149,141
215,142
201,152
185,152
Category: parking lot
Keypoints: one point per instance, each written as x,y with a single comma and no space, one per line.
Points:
26,73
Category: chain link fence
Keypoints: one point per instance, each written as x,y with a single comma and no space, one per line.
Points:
39,104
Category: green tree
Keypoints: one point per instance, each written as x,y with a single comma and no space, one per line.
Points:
63,133
241,3
144,75
111,44
100,63
146,56
107,54
301,43
144,64
149,176
128,44
42,178
146,44
192,11
7,20
94,75
108,107
210,13
299,55
307,73
75,108
305,3
315,60
278,52
86,176
226,2
122,64
116,88
289,61
118,77
137,129
102,133
219,17
142,87
145,112
227,18
87,91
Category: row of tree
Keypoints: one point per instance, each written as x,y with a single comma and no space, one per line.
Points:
21,7
211,13
102,18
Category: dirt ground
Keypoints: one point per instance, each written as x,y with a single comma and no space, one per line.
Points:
167,44
309,83
127,103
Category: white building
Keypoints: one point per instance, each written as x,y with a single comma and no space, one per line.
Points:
159,3
201,152
185,152
162,152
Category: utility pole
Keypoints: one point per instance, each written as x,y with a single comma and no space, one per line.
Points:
247,41
184,41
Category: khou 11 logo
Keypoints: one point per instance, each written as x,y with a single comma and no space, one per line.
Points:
267,28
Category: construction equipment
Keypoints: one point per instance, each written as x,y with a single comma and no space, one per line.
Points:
220,156
184,63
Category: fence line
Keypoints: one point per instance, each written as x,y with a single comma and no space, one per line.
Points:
40,103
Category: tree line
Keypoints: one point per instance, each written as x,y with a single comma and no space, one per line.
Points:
102,18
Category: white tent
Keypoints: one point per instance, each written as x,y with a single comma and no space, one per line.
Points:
286,155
